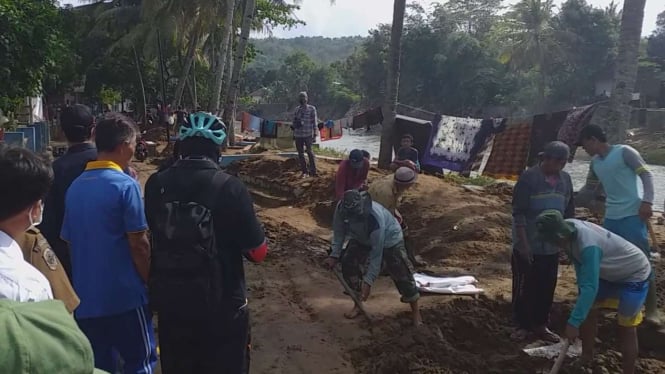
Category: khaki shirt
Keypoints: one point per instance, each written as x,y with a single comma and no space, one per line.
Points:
384,192
39,254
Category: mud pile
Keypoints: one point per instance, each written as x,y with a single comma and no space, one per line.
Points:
473,336
459,227
281,177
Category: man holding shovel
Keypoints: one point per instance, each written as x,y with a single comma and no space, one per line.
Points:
375,234
611,272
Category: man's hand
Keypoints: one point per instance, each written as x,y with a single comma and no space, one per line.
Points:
331,262
571,333
645,211
365,291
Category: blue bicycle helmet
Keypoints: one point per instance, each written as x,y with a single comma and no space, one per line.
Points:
204,125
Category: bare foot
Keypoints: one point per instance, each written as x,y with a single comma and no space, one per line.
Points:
353,314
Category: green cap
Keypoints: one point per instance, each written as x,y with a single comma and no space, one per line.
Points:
551,227
42,337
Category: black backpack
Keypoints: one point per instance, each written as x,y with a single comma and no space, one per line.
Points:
186,273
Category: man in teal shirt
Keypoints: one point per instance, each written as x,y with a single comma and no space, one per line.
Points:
611,272
614,170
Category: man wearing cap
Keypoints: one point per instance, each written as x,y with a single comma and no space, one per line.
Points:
351,174
304,132
535,263
41,337
614,170
388,192
374,237
611,272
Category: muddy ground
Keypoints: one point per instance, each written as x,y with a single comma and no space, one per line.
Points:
297,306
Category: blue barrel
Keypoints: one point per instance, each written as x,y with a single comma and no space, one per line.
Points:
29,134
14,138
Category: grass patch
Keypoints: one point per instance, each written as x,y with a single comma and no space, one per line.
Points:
474,181
330,152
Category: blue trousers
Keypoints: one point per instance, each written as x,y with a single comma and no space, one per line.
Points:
129,335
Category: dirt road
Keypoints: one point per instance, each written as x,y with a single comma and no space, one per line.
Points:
297,306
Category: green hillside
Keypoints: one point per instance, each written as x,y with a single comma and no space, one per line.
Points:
271,52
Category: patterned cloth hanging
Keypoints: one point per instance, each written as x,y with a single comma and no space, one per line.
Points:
510,151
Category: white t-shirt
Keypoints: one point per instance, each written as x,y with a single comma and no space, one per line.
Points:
20,281
621,262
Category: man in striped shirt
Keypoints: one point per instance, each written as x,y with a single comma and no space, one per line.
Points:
304,133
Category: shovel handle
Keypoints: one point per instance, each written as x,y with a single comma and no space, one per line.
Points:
562,356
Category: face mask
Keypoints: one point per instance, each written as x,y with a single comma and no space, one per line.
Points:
34,223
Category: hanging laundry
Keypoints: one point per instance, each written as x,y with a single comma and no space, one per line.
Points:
488,128
545,129
371,117
269,129
337,130
451,143
347,122
324,133
576,120
245,119
510,150
284,130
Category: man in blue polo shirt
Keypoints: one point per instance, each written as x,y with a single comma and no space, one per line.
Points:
105,227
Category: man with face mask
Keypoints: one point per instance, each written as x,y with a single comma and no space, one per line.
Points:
373,234
26,180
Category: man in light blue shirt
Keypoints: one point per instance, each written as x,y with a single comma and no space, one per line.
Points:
611,272
373,234
615,170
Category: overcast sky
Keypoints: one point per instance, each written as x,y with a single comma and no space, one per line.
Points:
356,17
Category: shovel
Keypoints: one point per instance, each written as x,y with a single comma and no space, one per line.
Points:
353,294
562,356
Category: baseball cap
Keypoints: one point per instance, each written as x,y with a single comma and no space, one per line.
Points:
405,175
356,158
590,131
550,226
556,150
42,337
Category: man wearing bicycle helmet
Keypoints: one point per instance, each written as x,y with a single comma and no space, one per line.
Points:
203,223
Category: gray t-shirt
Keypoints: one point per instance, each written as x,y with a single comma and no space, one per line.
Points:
621,260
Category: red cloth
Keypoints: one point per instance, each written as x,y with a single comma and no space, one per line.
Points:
349,178
259,253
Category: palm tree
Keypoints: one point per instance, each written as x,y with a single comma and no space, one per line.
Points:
247,24
529,39
222,55
392,84
625,73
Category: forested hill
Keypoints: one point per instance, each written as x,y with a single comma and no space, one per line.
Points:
271,52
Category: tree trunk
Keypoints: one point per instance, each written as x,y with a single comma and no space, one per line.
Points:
138,69
392,85
228,69
229,108
191,53
625,73
227,28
